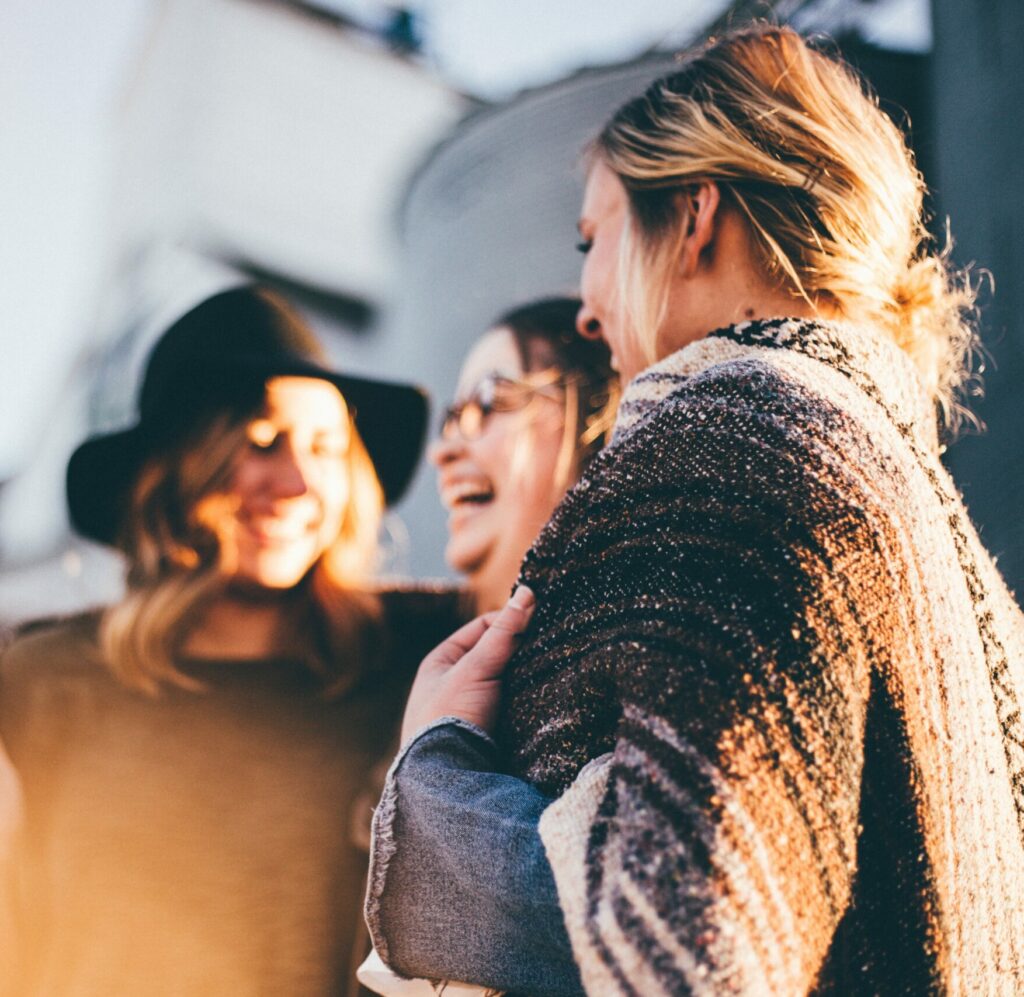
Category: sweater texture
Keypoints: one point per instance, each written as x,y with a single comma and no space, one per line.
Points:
195,843
774,681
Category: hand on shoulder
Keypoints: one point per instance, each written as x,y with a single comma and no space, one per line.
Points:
461,677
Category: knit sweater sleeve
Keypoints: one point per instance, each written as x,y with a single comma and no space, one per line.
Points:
726,571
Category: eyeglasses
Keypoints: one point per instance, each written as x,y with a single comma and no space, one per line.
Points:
493,394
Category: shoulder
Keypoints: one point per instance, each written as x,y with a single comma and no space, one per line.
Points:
426,605
746,395
58,643
736,459
745,428
48,666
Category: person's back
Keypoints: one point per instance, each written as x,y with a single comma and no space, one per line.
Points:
810,592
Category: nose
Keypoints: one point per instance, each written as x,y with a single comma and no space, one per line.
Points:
288,478
587,323
445,448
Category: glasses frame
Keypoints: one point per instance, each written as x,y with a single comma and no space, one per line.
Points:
470,415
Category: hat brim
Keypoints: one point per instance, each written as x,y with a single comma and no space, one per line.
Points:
391,419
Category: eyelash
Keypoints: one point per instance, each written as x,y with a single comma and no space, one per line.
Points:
317,448
584,246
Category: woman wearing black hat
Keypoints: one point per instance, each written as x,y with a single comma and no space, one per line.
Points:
190,758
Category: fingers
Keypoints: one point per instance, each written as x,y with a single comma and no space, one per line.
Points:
488,658
511,620
453,648
460,677
515,615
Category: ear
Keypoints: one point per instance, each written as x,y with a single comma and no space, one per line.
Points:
700,205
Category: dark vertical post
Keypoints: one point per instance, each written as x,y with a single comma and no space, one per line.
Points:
978,90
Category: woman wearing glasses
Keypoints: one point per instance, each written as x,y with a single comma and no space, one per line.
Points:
764,729
535,403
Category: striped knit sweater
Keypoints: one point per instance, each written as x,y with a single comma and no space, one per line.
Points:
766,622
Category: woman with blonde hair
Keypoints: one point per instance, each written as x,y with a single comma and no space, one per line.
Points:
188,760
760,731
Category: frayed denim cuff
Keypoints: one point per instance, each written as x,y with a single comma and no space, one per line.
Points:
382,834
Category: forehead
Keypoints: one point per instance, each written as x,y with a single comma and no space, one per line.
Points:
304,401
494,353
604,194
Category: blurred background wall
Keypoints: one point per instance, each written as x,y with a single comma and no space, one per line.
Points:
404,175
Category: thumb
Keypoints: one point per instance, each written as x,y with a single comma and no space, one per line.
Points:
514,616
492,652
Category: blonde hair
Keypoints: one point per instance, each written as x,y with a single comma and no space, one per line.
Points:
176,564
821,174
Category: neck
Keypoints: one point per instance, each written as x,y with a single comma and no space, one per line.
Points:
751,307
729,286
487,598
237,626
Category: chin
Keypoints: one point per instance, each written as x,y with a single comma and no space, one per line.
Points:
464,558
265,584
277,574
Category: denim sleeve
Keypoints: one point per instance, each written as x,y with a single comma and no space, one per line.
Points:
460,887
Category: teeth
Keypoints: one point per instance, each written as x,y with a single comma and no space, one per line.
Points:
275,529
466,491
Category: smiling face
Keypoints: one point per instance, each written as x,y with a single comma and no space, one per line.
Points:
289,487
603,219
501,486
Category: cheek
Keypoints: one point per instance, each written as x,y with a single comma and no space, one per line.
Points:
245,478
535,472
527,457
588,281
498,452
598,276
335,492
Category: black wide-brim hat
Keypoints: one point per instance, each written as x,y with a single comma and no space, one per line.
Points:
218,357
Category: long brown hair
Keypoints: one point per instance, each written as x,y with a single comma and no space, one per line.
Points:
176,564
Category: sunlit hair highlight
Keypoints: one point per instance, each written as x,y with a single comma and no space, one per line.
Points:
801,149
177,563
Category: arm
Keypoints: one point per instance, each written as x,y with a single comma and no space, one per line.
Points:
685,868
712,851
459,885
457,859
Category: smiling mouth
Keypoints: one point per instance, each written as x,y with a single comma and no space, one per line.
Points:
466,494
272,532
